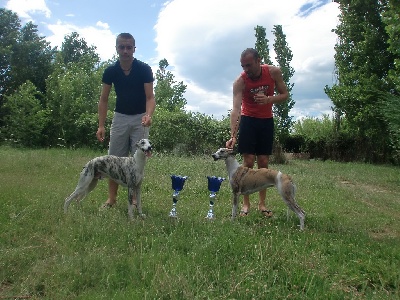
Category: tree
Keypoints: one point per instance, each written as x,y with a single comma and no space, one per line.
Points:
9,30
262,45
391,19
168,92
24,56
75,49
281,111
73,91
32,59
390,101
362,63
72,95
283,121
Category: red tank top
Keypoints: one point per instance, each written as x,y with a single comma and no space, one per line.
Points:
265,84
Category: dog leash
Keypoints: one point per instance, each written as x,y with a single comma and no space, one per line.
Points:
144,132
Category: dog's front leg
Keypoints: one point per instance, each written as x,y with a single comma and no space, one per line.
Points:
139,200
235,201
131,201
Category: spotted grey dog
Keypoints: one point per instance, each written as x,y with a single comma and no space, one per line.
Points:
126,171
245,181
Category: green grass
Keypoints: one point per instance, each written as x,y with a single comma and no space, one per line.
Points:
348,250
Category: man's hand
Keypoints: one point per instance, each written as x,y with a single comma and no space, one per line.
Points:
146,120
231,143
101,134
262,99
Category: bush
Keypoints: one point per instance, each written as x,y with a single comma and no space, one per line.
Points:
26,117
187,133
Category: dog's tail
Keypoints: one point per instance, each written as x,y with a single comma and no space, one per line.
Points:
287,190
87,182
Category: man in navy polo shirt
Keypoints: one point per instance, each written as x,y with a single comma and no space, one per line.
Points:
135,104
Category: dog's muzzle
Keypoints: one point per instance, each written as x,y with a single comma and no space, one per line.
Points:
147,152
215,156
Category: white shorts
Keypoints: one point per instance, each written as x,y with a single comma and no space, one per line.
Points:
125,131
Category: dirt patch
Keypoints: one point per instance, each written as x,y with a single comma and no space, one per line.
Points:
363,186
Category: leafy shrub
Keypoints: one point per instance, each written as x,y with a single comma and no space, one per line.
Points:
314,133
26,117
187,133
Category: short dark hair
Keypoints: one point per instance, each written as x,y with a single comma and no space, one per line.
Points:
251,51
125,35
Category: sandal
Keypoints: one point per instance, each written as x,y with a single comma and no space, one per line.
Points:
267,213
243,213
106,205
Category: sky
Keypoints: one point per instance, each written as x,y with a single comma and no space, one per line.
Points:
202,41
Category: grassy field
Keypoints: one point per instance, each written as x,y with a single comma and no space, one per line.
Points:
350,248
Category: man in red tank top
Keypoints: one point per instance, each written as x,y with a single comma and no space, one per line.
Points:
251,115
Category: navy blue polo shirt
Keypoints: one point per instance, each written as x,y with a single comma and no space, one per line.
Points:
131,97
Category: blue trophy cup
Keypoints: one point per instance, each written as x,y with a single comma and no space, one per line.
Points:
214,183
177,185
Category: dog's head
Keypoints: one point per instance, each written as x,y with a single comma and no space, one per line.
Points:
223,153
145,146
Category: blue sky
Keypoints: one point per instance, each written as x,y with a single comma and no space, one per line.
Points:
202,40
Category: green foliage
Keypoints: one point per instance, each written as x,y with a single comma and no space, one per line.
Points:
72,94
390,106
187,133
314,129
9,30
284,56
391,19
321,139
75,49
24,55
313,134
206,134
262,45
168,92
168,130
31,59
362,65
27,119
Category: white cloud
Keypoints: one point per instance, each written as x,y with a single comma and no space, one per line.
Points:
101,37
102,25
24,8
202,41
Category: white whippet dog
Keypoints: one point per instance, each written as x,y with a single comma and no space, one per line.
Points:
126,171
245,181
